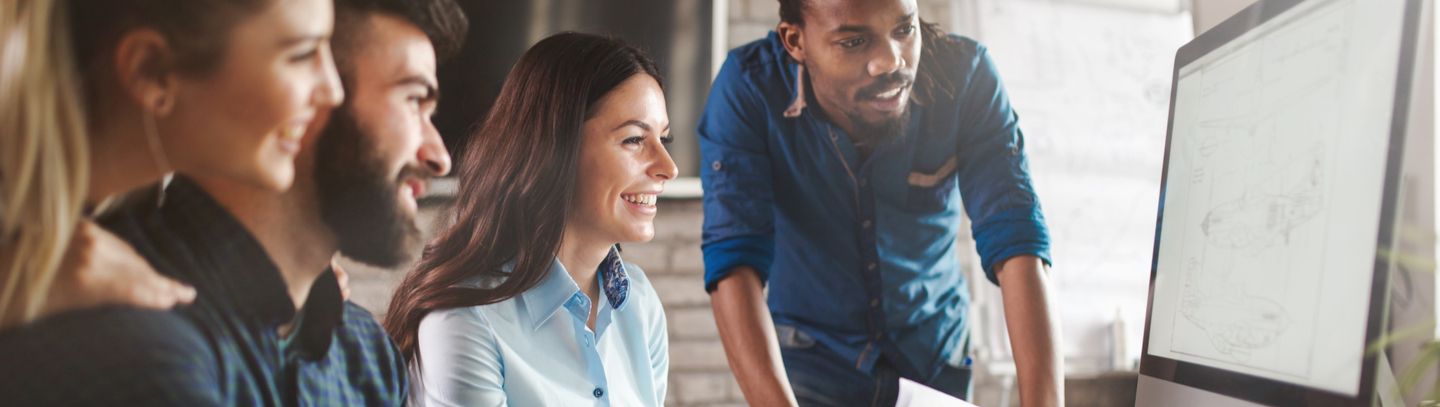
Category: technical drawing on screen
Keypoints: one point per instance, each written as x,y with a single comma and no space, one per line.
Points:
1272,196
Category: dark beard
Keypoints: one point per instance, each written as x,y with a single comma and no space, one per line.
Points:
870,136
358,198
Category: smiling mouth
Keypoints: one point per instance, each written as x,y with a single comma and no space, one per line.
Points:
294,132
891,94
640,199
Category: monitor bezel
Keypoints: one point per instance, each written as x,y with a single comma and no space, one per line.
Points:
1254,388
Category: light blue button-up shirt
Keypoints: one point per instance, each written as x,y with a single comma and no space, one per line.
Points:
535,350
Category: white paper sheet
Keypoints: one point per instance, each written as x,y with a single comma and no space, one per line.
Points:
914,394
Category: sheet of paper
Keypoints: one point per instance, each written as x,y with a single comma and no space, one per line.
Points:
914,394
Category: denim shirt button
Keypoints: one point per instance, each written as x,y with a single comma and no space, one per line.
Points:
875,302
716,165
865,224
598,392
870,267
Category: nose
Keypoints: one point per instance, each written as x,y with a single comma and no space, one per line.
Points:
663,167
887,59
433,154
329,91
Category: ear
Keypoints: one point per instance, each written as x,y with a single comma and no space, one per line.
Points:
792,35
144,68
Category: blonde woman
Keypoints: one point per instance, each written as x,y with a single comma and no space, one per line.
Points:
166,87
51,258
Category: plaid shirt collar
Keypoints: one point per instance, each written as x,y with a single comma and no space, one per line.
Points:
244,278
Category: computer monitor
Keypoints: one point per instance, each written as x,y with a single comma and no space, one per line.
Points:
1277,206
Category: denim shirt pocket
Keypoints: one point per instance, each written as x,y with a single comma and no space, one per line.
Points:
793,338
930,192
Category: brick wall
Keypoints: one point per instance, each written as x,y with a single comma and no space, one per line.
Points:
699,374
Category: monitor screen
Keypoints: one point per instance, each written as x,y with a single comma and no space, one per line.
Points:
1272,202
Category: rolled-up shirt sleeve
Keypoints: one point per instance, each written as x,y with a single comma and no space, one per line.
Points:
994,173
736,174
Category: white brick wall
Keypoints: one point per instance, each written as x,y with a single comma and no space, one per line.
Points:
699,373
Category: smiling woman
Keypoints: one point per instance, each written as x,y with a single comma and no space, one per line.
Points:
222,87
117,93
109,95
566,165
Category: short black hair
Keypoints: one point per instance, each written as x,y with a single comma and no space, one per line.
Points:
792,11
442,21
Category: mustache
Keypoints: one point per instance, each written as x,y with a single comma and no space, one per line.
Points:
415,172
886,82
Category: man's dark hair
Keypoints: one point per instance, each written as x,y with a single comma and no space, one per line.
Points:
442,21
939,54
792,11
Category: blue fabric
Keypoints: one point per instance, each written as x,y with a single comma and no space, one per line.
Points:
861,255
535,350
222,350
822,378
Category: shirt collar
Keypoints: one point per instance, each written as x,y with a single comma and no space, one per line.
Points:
558,288
238,273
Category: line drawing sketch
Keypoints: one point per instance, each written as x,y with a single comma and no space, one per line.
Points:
1235,323
1255,210
1258,219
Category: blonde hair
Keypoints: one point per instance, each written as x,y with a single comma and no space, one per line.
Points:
44,153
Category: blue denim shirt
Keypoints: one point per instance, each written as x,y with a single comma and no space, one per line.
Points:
861,255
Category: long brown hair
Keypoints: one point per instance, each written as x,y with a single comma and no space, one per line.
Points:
517,180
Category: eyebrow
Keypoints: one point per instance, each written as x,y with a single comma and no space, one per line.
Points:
846,28
432,91
290,41
636,123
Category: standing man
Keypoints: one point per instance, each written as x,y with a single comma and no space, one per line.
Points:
835,154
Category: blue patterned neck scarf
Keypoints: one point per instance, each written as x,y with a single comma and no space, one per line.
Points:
613,278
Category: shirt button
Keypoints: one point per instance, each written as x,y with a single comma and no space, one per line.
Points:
598,392
864,181
870,267
865,224
877,335
716,165
875,302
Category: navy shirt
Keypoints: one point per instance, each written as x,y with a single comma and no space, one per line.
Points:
861,254
223,350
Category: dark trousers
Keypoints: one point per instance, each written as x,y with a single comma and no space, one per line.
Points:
821,378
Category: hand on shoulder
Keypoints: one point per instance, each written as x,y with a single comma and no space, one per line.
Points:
101,269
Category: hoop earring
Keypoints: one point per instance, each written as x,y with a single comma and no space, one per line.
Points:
157,152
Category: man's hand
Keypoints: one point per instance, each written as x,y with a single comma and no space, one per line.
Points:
748,334
101,269
1034,330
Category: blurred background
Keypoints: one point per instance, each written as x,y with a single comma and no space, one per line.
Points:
1091,81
